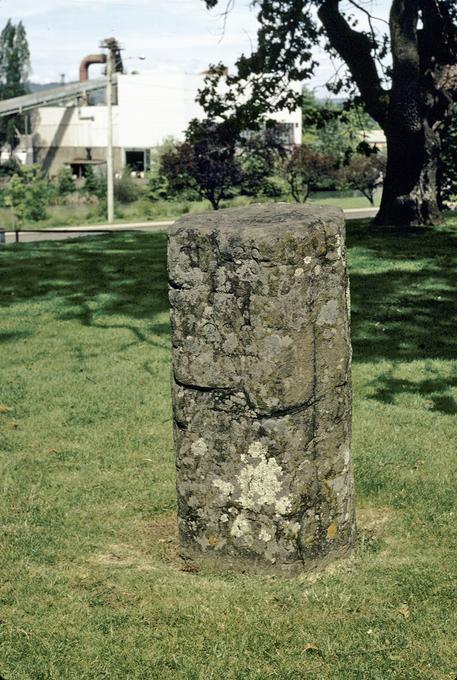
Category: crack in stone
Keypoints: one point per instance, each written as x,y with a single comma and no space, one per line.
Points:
177,286
290,410
203,388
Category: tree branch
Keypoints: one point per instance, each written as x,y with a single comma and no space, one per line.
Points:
404,17
406,73
368,14
437,54
355,49
438,59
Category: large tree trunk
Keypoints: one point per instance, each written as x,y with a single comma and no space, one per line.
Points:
410,196
413,142
413,113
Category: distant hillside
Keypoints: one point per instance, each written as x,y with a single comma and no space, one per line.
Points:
36,87
96,98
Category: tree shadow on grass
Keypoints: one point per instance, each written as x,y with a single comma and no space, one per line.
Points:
387,387
13,336
403,289
404,293
120,274
404,304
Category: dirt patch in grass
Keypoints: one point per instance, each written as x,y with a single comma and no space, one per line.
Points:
156,543
160,540
161,537
372,521
372,529
122,555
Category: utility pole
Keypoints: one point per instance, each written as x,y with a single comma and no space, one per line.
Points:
113,63
109,146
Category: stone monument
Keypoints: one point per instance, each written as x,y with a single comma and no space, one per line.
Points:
261,387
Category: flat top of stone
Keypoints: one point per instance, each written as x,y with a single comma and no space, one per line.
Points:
265,216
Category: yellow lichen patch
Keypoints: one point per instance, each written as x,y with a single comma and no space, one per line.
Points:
213,541
332,531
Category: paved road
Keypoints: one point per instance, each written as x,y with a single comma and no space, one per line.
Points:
360,213
63,233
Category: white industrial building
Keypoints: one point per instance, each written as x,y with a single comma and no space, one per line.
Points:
150,107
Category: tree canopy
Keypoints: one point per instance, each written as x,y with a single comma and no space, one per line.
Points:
403,70
14,76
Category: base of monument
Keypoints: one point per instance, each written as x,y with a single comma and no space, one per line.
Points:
217,562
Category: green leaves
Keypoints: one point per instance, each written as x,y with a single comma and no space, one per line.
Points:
27,194
14,74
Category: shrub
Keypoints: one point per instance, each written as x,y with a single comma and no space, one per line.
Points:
94,184
65,182
447,167
259,154
27,194
308,169
274,187
10,167
158,188
365,173
205,164
126,188
100,210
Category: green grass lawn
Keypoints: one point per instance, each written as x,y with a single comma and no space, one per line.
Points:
144,210
91,584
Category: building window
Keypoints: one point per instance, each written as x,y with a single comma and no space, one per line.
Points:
284,133
138,160
281,133
81,168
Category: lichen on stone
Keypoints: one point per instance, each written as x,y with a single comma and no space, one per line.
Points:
328,313
260,481
226,488
240,527
265,535
199,447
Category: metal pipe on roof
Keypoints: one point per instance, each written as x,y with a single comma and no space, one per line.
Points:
86,62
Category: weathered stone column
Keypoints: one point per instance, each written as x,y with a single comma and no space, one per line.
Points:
261,386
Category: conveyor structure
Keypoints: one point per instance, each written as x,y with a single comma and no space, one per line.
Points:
60,94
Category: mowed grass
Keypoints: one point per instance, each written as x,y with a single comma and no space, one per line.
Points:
144,210
91,584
